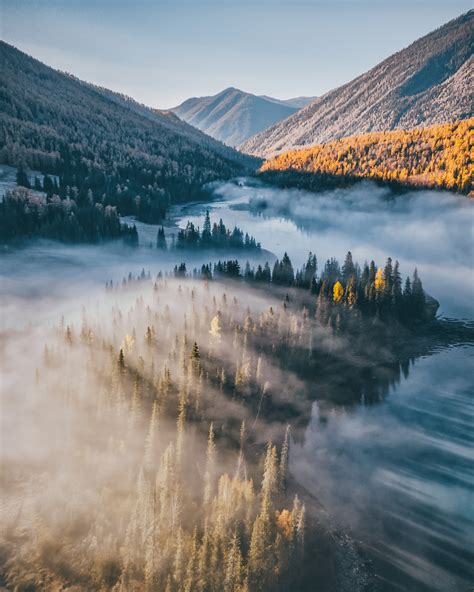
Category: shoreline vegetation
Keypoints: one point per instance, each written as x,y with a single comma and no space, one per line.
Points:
27,214
437,157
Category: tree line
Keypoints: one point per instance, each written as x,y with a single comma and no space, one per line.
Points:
25,213
375,291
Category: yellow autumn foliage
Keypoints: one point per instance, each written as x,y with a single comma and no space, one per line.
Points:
337,292
284,522
440,156
379,279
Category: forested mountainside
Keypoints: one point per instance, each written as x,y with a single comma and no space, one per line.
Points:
232,116
439,156
426,83
104,146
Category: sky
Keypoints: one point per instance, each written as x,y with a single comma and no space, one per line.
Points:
161,52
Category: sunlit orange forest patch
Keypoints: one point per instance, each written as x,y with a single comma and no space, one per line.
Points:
440,157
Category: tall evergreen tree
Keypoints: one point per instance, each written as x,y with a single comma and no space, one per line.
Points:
348,268
161,239
22,177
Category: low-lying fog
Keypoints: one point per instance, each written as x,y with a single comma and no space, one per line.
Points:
430,230
396,473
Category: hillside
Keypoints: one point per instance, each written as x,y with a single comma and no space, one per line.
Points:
426,83
439,157
105,148
232,116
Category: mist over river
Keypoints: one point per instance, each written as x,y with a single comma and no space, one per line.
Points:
430,230
398,474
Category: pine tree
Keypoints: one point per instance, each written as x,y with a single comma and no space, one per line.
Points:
152,437
284,457
348,268
206,236
309,271
195,359
190,583
266,274
121,363
136,406
372,273
204,558
69,336
388,279
161,239
287,276
149,337
178,566
210,467
396,295
365,276
418,296
180,425
270,479
22,178
233,566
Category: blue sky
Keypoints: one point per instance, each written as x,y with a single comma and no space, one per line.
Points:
162,52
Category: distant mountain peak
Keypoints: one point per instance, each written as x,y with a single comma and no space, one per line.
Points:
232,89
234,115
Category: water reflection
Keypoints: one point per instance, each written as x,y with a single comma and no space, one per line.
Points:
401,474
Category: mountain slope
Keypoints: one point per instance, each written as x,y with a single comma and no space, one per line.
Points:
110,149
232,116
426,83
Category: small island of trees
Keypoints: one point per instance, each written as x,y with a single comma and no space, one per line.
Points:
372,290
213,236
